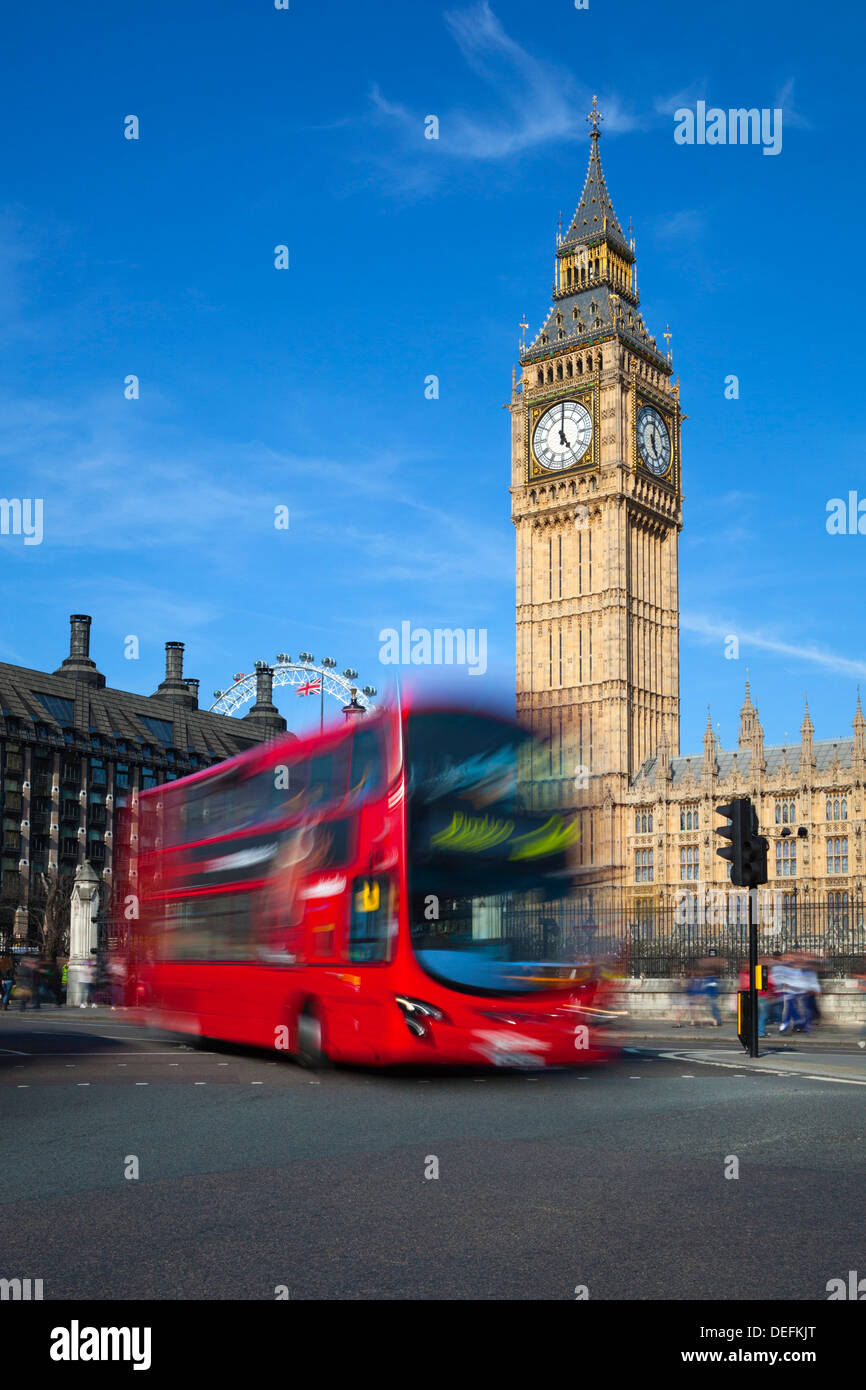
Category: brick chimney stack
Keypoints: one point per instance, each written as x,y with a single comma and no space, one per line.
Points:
78,663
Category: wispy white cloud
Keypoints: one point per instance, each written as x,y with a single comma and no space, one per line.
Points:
810,654
529,103
686,224
686,96
785,102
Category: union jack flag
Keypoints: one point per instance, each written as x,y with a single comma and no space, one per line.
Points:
310,688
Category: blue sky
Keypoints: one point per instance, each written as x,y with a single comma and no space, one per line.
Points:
411,257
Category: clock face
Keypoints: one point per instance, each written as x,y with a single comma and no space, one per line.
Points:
562,435
653,441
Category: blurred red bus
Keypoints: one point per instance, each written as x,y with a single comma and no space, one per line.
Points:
380,893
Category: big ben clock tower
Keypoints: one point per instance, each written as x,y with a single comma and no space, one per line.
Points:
597,509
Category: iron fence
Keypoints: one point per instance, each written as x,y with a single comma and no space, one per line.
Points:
656,942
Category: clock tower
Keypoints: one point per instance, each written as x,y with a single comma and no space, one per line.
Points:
596,492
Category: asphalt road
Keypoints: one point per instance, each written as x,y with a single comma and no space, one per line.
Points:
255,1174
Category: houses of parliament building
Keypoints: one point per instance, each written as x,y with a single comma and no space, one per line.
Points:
596,488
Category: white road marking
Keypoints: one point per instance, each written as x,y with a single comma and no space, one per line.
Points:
839,1080
772,1071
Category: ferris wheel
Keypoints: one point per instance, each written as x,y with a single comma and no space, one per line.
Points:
309,677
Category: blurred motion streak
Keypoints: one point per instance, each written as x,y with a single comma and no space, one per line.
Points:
380,893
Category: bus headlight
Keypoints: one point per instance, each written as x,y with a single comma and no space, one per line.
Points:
417,1014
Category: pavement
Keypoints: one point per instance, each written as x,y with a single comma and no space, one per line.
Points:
134,1166
821,1039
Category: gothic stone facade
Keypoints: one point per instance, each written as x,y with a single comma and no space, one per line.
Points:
810,804
596,489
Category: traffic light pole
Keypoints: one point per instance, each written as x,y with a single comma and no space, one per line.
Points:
753,986
747,856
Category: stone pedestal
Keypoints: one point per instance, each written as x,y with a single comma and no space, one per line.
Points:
82,929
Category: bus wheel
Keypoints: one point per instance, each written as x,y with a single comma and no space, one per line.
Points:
311,1045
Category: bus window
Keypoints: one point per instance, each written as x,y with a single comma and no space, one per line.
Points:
230,927
330,846
285,788
370,923
365,779
210,809
328,776
213,926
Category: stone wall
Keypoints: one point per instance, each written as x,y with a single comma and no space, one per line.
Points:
843,1004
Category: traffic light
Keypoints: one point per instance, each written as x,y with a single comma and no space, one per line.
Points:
747,852
754,851
735,831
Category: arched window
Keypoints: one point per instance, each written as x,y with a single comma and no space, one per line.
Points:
829,815
844,808
643,825
637,824
569,368
682,820
649,822
836,809
580,366
837,856
569,274
550,374
559,371
540,381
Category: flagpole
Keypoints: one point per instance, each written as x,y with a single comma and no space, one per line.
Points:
322,707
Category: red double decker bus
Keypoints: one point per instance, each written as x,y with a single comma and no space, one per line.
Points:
382,893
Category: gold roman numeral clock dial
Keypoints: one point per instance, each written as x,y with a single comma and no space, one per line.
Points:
562,435
653,441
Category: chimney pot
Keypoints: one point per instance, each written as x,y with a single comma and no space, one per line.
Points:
79,634
174,661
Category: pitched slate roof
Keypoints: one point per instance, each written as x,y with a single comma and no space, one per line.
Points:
587,314
117,715
824,753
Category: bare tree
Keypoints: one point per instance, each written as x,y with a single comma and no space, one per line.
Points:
49,913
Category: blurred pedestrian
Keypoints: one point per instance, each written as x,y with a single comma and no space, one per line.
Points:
7,980
24,979
703,986
789,982
811,986
87,981
64,980
860,977
116,972
680,1001
711,990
